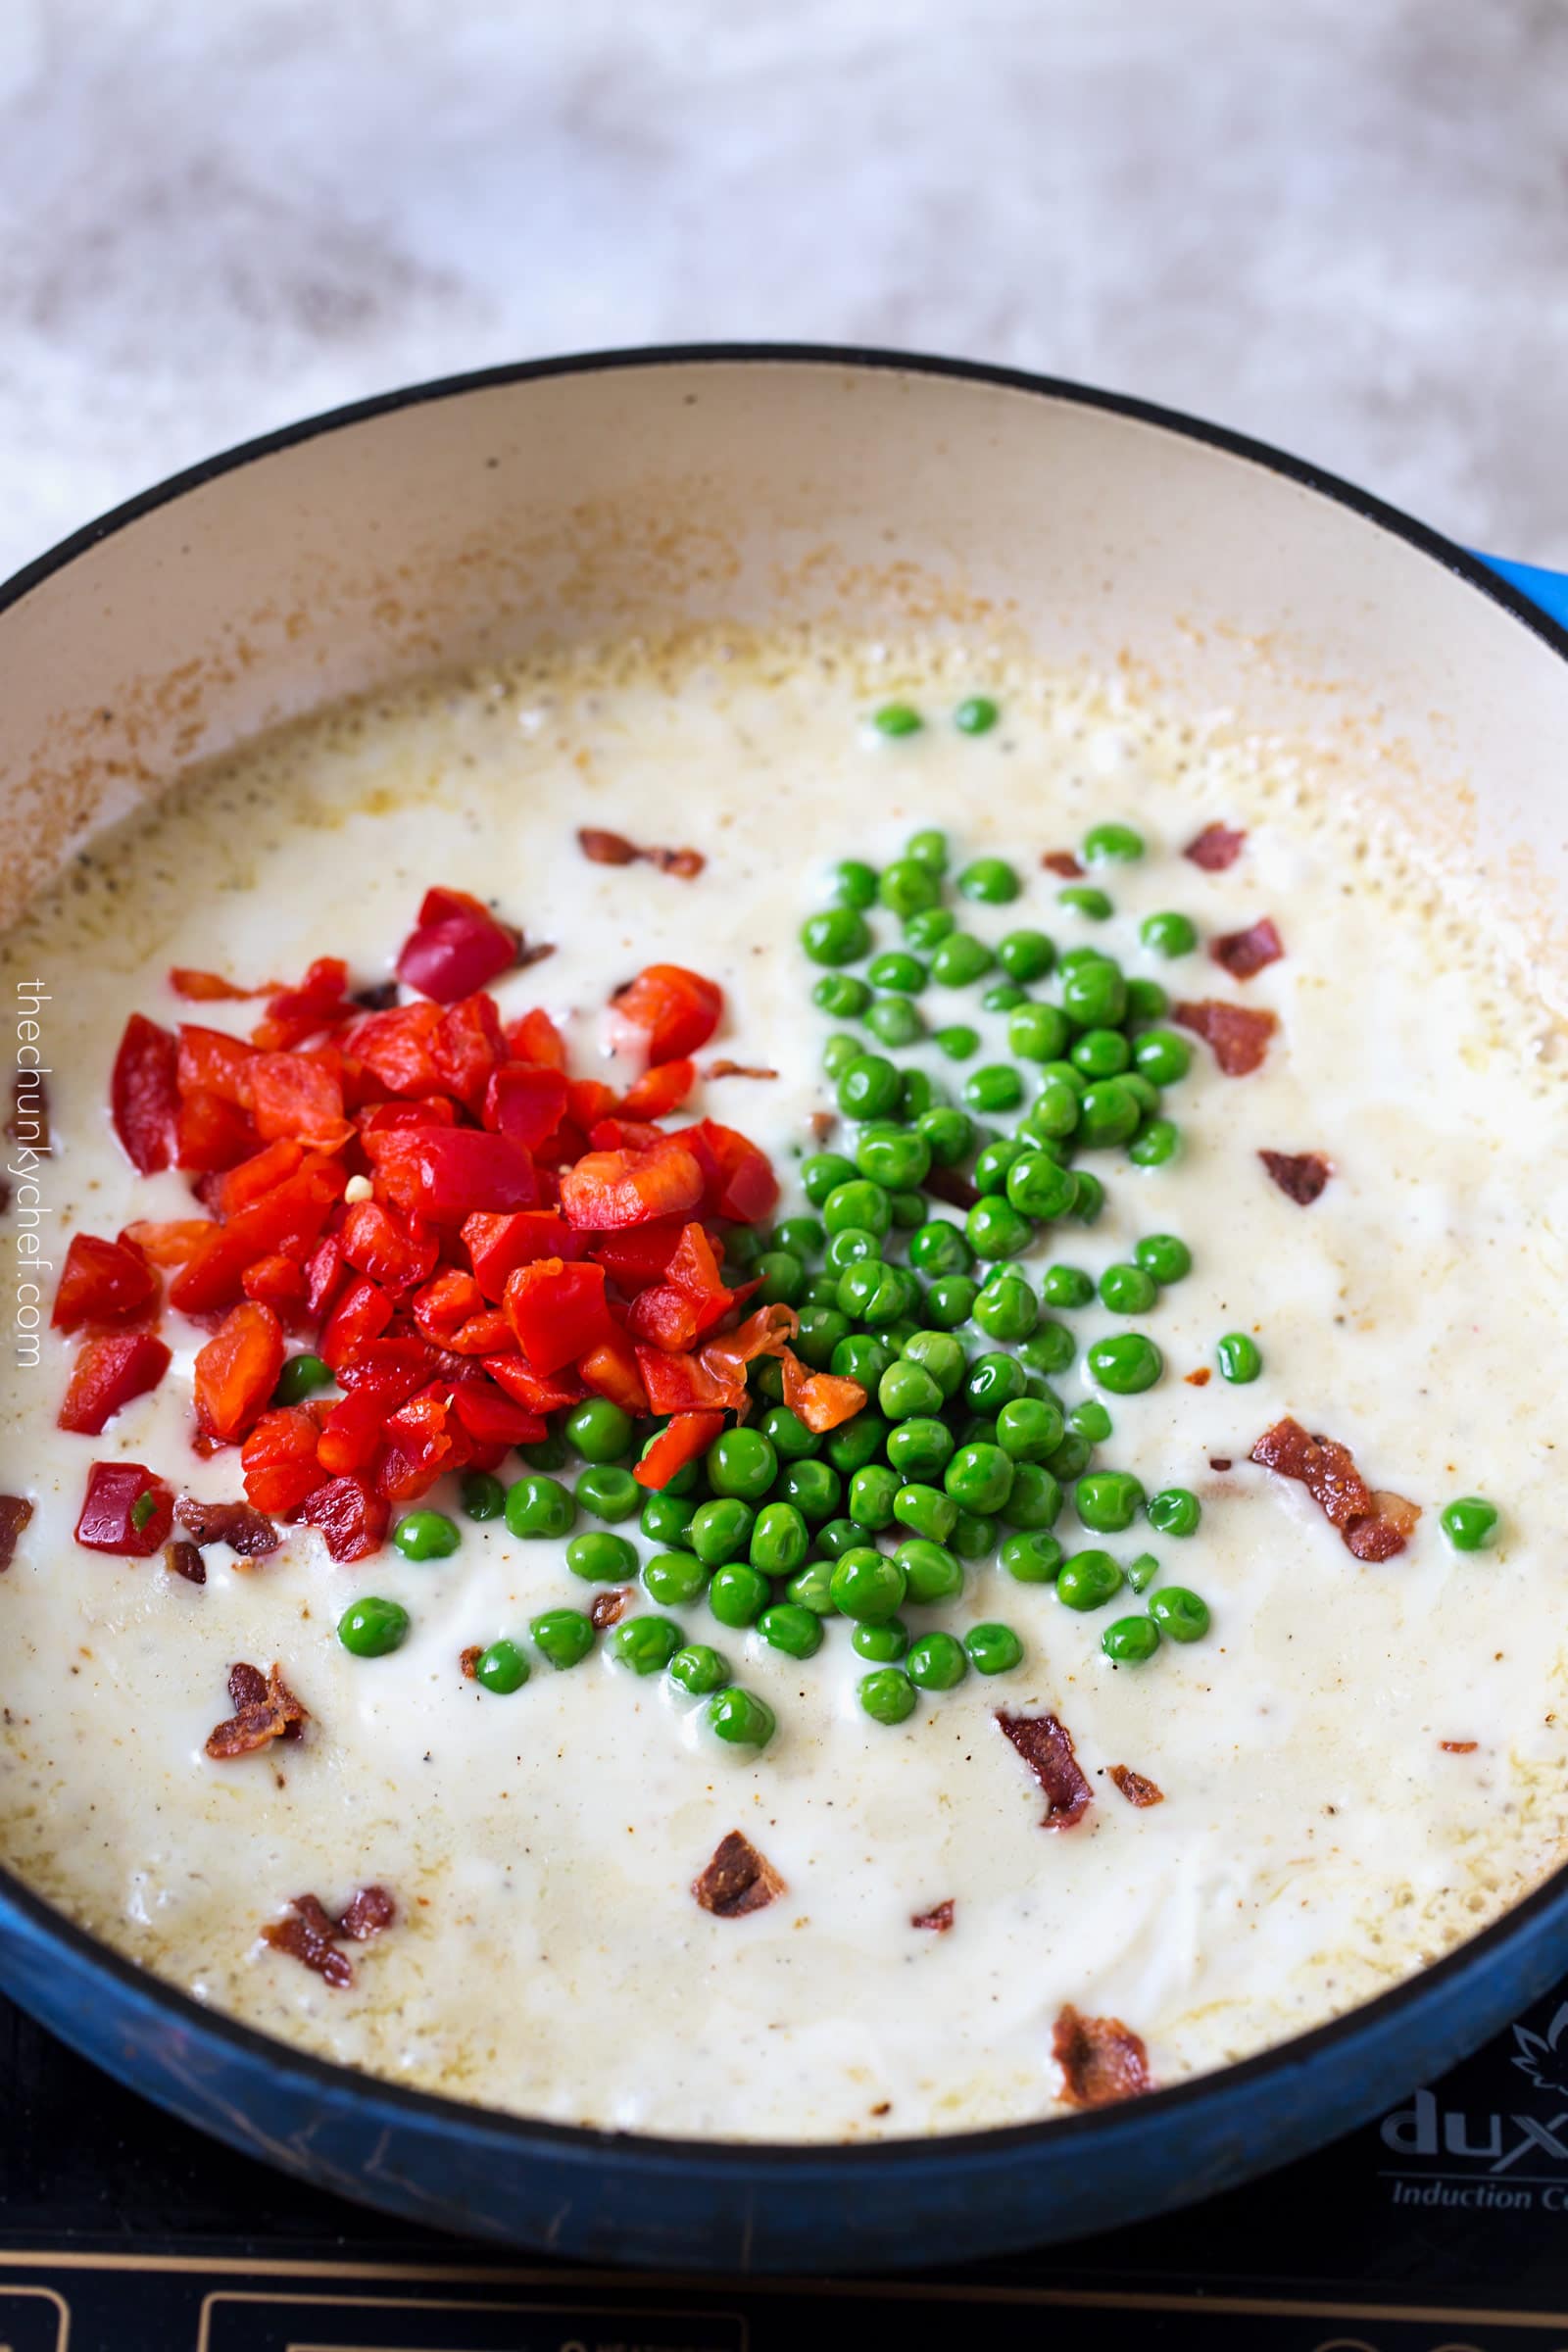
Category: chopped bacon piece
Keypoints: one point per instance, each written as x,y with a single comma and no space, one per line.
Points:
1102,2060
614,848
240,1526
1046,1746
945,1184
1062,862
1237,1033
1219,1461
1215,848
939,1919
1372,1526
737,1880
262,1712
737,1069
369,1912
310,1936
1244,953
185,1560
608,1609
350,1514
468,1660
15,1512
1299,1175
1198,1379
1134,1787
1459,1747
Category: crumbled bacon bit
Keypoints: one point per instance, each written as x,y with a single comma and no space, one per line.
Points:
1372,1526
1046,1746
469,1658
1102,2060
1237,1033
368,1911
945,1184
239,1524
535,953
379,998
1220,1461
15,1512
1299,1175
736,1069
939,1919
310,1936
1198,1379
264,1710
614,848
608,1609
1062,862
183,1559
823,1123
737,1880
1135,1788
1244,953
883,2107
1215,848
1459,1747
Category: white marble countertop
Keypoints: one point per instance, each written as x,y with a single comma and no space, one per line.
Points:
1342,224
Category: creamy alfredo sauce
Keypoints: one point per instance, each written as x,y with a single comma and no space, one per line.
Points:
1316,1842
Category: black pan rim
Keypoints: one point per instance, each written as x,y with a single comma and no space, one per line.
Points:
762,2162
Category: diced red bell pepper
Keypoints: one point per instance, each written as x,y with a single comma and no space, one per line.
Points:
527,1387
447,1173
467,1048
103,1282
662,1087
256,1177
693,1269
536,1038
623,1135
589,1100
126,1511
278,1460
350,1515
637,1254
606,1190
288,1219
398,1048
687,1436
362,1314
144,1095
445,1304
395,1249
211,988
237,1370
430,1110
456,947
211,1134
683,1383
665,1317
498,1245
107,1374
611,1370
822,1399
212,1063
526,1101
738,1181
170,1243
299,1095
351,1433
424,1438
557,1311
678,1008
296,1013
768,1332
278,1282
395,1366
492,1418
323,1275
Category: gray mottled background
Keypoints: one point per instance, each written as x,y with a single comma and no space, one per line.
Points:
1339,223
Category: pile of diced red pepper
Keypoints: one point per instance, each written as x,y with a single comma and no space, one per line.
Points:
515,1239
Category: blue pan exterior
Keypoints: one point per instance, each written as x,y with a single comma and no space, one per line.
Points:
697,2206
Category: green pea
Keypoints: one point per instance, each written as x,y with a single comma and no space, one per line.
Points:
974,1536
1026,956
1032,1558
1094,995
909,1210
300,1375
906,886
781,1278
936,1662
822,1291
600,1429
1129,1640
838,1052
855,1442
928,926
976,715
1111,842
993,1648
861,1357
951,1299
1090,1421
821,1330
1128,1290
740,1718
995,1229
854,883
991,880
866,1583
563,1636
1240,1357
1087,1579
1168,933
993,1380
895,1021
836,1536
940,1355
373,1626
810,1587
1071,1457
1040,1188
609,1491
1104,1054
552,1453
897,718
720,1531
1147,999
1087,900
1091,1197
957,1042
1162,1055
789,1627
917,1093
1006,1308
1038,1033
1142,1572
1108,1114
838,935
814,1489
1035,1497
962,959
1029,1429
742,1464
601,1558
925,1509
883,1642
1126,1364
933,1572
1164,1256
868,1087
501,1668
979,1476
841,996
788,1435
946,1136
781,1540
539,1506
1179,1614
1470,1523
888,1696
738,1594
997,1087
1174,1511
906,1390
674,1579
894,1158
697,1670
743,1245
858,1205
928,847
646,1645
426,1535
1066,1286
1005,996
822,1173
1156,1141
484,1495
992,1163
1107,1500
667,1518
897,970
1052,1115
